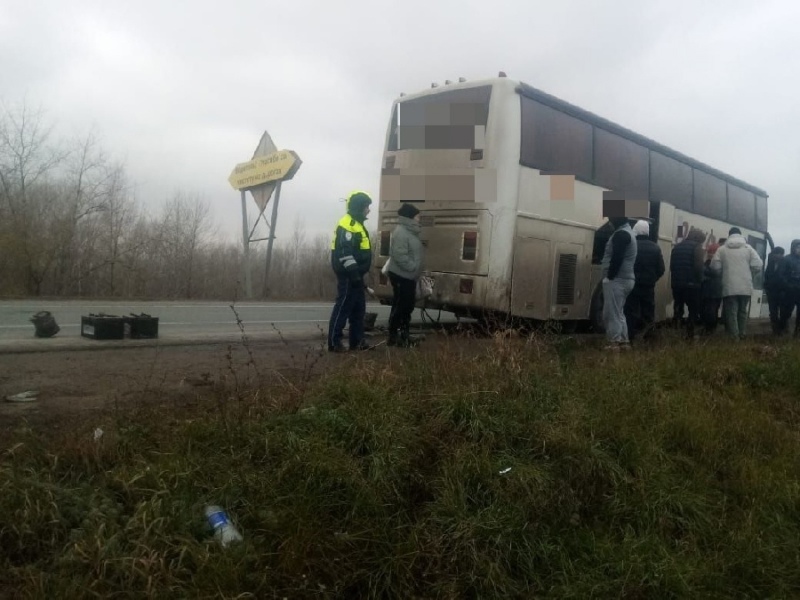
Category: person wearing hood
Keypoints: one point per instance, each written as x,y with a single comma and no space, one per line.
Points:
738,263
686,272
618,281
351,259
405,267
640,306
774,288
789,277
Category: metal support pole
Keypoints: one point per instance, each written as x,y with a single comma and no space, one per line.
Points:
271,238
248,286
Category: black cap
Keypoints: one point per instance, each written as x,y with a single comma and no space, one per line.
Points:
408,210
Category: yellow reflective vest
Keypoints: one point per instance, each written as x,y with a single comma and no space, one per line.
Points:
351,251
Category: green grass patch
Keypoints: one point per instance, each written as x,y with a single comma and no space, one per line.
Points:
528,468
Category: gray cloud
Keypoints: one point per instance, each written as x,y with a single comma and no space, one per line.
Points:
183,90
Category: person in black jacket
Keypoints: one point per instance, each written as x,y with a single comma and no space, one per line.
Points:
789,277
686,270
774,289
640,306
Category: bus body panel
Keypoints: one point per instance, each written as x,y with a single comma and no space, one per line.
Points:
535,247
445,221
562,252
666,215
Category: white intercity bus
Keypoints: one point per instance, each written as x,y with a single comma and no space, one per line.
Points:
510,183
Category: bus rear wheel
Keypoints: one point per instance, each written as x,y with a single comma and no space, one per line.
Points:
566,326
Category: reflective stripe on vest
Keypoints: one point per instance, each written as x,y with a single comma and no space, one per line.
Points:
350,225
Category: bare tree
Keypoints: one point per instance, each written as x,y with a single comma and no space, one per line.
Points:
26,153
70,225
27,162
91,183
183,232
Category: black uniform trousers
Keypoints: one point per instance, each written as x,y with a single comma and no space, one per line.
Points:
350,305
405,298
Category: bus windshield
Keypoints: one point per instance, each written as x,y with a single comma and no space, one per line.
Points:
446,120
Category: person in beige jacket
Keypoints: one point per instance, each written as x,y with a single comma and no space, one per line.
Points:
738,263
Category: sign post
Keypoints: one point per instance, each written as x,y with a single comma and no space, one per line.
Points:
248,286
264,173
265,291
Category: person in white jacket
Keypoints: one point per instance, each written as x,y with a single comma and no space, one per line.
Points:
739,263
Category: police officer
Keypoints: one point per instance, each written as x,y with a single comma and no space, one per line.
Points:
351,258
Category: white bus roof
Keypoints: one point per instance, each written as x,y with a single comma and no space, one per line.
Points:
556,103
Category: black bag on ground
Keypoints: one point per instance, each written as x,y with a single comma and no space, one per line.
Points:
45,324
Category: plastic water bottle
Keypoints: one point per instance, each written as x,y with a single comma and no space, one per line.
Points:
224,530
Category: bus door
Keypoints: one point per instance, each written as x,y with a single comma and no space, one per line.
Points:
758,304
655,220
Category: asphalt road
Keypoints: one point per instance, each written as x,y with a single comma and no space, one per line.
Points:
183,322
179,321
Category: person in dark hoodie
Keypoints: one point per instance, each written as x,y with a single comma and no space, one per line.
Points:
774,288
351,258
405,266
789,277
640,306
686,271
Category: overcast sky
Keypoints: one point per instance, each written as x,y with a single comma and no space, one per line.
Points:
182,91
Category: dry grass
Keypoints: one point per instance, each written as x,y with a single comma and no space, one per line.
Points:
530,468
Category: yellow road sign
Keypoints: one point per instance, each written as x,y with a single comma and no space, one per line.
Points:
278,166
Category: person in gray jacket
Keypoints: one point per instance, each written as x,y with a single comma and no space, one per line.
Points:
405,267
618,281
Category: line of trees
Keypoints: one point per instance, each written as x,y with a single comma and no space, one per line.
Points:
71,226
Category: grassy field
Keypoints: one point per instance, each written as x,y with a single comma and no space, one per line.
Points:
504,468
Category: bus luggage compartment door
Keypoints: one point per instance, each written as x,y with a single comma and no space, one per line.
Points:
568,300
530,293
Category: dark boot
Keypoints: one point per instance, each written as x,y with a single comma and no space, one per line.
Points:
361,346
407,340
394,338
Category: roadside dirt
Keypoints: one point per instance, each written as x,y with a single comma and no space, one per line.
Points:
75,385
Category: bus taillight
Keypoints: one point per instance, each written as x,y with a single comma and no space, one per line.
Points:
385,237
469,248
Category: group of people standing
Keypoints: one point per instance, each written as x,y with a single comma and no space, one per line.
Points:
719,275
782,284
351,260
702,280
